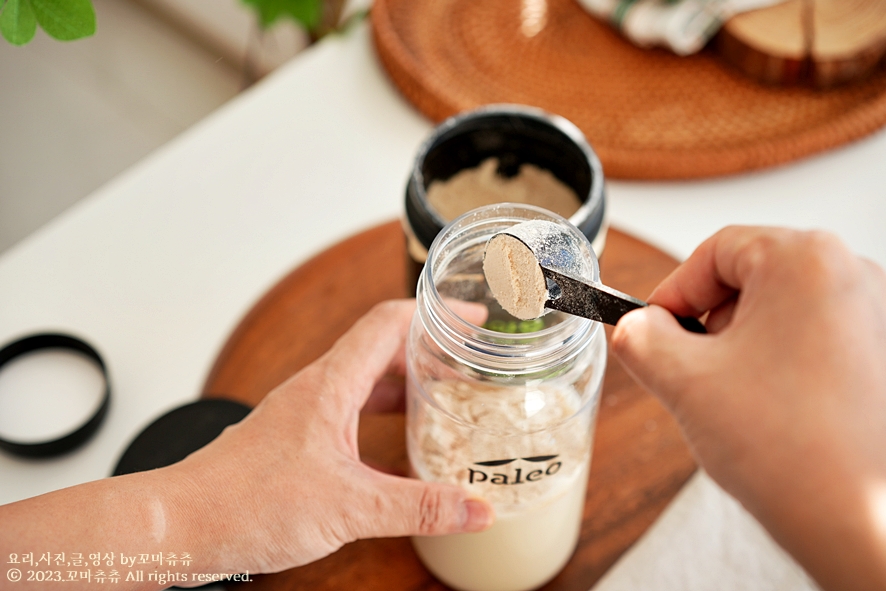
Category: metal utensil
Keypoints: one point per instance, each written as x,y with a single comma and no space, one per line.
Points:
597,301
570,289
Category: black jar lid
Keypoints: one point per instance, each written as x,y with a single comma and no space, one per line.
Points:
178,433
516,135
57,399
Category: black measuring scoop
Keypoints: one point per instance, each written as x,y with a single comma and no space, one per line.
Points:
597,301
562,259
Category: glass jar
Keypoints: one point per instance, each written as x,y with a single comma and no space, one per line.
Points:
515,135
509,416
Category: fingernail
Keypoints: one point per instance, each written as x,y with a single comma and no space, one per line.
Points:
478,515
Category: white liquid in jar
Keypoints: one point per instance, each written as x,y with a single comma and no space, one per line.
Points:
530,460
522,550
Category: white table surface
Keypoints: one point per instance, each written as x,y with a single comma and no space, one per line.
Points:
156,268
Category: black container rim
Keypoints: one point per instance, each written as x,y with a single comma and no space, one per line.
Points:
593,204
79,434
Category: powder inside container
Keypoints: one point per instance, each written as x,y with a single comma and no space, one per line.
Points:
475,187
514,277
513,422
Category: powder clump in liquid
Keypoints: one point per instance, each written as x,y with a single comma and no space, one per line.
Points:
514,277
514,423
527,452
475,187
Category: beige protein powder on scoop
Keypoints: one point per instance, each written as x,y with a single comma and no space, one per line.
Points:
475,187
514,277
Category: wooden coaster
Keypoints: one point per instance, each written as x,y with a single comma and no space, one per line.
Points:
640,460
648,114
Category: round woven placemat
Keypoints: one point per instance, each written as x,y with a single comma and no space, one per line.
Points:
647,113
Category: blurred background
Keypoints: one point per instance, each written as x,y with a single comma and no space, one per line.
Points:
75,114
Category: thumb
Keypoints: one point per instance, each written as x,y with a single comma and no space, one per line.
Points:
396,506
658,353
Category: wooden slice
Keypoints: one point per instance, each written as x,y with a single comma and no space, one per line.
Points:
819,42
640,460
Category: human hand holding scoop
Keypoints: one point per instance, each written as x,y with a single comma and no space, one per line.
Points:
537,265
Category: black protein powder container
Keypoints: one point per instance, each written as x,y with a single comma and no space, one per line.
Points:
515,135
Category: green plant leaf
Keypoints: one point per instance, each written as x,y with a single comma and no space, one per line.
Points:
17,22
305,12
65,20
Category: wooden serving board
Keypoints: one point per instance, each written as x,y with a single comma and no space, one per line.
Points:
640,460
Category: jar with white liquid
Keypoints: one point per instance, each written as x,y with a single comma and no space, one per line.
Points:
509,416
